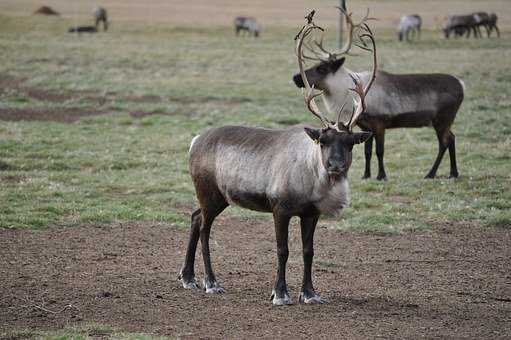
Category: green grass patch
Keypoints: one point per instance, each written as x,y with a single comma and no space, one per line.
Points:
84,332
123,167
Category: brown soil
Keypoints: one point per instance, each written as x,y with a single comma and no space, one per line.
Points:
452,282
97,102
64,115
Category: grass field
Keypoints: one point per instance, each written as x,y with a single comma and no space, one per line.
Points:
177,81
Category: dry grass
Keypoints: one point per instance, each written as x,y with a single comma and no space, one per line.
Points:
287,13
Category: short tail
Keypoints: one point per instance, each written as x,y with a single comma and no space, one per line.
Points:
193,142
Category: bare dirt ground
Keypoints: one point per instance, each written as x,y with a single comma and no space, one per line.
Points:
452,282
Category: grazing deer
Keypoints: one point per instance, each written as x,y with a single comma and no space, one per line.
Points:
83,29
396,101
461,24
247,24
492,24
299,171
100,16
409,25
482,19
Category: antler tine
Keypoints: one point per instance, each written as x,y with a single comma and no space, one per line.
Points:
360,90
375,62
327,54
317,55
339,124
359,103
309,94
351,30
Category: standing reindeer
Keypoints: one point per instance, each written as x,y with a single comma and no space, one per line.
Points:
247,24
299,171
458,25
396,101
100,15
409,25
492,24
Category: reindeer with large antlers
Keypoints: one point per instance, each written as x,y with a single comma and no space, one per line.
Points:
395,101
300,171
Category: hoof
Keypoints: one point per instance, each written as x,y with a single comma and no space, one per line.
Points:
189,284
366,176
429,176
381,177
282,301
310,299
456,175
213,287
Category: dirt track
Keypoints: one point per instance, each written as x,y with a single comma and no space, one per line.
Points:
454,281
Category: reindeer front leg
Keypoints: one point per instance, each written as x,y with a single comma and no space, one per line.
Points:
380,150
308,225
368,148
280,295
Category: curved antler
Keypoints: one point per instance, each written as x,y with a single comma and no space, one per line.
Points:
324,55
309,94
360,91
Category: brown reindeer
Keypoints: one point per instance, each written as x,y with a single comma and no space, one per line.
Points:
299,171
396,101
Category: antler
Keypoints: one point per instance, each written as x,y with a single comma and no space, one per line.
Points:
324,55
309,93
360,91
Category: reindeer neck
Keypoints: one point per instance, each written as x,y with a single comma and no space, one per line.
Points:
337,89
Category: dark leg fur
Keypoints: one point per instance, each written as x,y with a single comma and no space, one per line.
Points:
208,216
380,148
442,146
280,295
452,155
368,148
308,226
187,274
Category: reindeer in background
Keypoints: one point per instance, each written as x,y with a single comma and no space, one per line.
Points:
396,100
247,24
300,171
100,16
409,25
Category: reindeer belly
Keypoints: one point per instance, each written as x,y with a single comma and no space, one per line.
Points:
248,199
411,119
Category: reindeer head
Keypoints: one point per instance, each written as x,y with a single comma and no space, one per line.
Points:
330,63
336,139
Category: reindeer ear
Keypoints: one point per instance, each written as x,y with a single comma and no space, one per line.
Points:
361,137
313,134
336,64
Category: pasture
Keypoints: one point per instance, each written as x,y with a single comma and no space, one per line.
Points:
95,195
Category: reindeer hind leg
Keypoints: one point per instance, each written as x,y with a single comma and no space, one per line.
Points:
452,155
442,135
187,273
210,208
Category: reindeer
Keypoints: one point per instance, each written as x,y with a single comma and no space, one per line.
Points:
396,101
482,19
492,24
247,24
461,24
100,15
409,24
82,29
299,171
